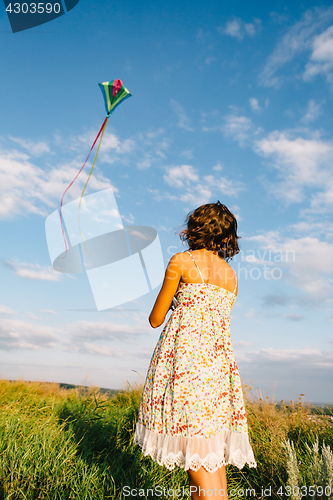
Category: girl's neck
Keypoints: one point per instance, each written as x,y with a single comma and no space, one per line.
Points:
208,252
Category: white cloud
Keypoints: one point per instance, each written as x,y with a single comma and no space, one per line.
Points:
152,134
308,262
323,228
151,147
101,350
183,120
145,162
233,28
234,125
109,143
322,201
312,112
33,271
34,148
218,167
237,127
6,310
188,154
300,162
146,148
224,185
254,103
294,317
309,357
323,46
129,219
296,40
16,334
251,29
179,176
32,315
196,189
111,146
275,299
87,331
242,343
236,28
26,188
321,60
282,372
81,337
198,195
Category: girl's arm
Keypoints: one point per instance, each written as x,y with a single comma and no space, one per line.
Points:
170,284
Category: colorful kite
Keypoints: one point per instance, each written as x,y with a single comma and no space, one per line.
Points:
114,93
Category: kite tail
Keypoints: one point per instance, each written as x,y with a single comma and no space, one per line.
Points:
92,147
92,168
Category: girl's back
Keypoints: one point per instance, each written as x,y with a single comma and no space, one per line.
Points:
214,270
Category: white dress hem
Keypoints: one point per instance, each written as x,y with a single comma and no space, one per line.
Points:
226,448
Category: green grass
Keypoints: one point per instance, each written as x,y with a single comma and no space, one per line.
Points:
58,443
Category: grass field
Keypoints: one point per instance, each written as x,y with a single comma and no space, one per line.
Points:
63,443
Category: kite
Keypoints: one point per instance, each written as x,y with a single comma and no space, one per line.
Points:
114,93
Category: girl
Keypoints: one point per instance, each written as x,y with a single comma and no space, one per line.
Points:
192,410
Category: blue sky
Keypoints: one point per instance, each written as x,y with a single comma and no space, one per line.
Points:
229,102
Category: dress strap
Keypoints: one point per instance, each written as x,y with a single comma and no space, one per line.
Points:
196,265
235,284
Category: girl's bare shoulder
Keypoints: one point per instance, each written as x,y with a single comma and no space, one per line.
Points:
178,259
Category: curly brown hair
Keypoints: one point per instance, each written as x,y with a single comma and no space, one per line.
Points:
214,227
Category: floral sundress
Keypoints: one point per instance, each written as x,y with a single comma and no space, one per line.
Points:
192,411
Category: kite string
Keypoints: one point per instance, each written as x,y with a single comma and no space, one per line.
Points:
62,199
92,168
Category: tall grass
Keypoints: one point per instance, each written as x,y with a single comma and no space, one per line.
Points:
62,444
271,424
311,468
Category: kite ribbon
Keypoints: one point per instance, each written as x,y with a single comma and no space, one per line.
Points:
92,147
92,168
